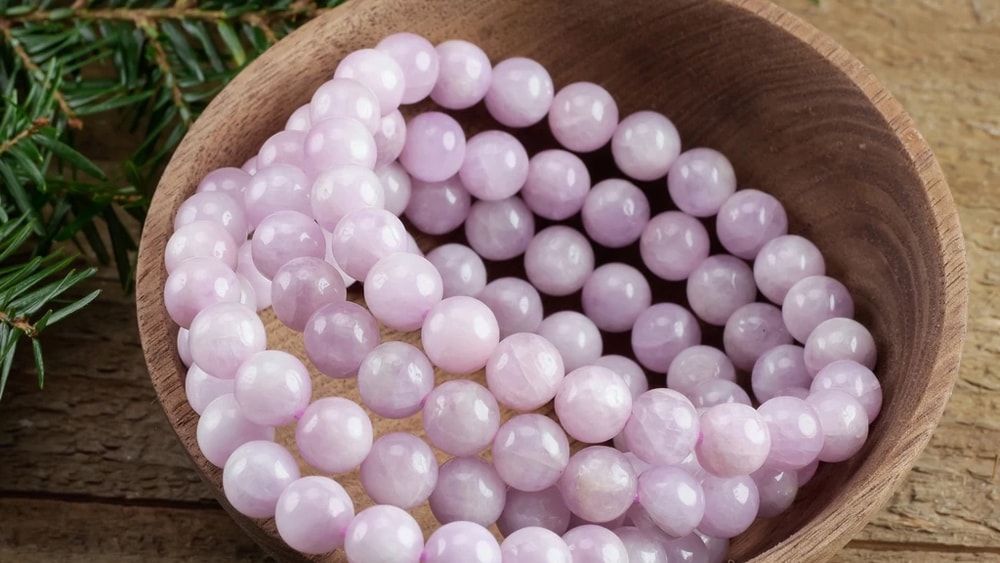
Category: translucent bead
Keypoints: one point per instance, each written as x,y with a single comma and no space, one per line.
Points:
198,283
284,147
628,370
593,404
222,428
396,187
500,230
717,549
343,189
544,509
663,428
495,165
418,60
731,505
748,220
462,542
346,98
246,269
530,452
464,76
233,181
777,490
469,490
645,145
535,545
283,236
557,184
839,339
256,475
225,209
301,287
719,286
856,380
614,296
459,334
700,181
334,435
434,148
575,336
328,256
558,260
313,514
693,365
461,417
338,337
273,388
642,545
201,239
599,484
394,379
383,533
794,428
673,499
183,347
399,470
438,208
401,289
661,332
364,236
783,262
687,548
778,370
462,270
520,92
223,335
249,167
711,392
734,440
300,119
524,371
595,544
673,244
615,213
279,187
583,117
516,304
248,298
379,72
813,300
843,421
752,330
807,473
337,141
390,138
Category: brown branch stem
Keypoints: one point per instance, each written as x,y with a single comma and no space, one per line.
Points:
71,117
180,11
19,323
35,127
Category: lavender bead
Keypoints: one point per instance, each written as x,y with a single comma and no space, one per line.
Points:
183,347
661,332
468,489
394,379
796,436
515,303
247,270
495,165
734,440
222,428
273,388
843,421
364,236
399,470
687,548
663,428
198,283
459,334
813,300
748,220
717,549
201,239
233,181
255,476
696,364
575,336
418,60
300,119
535,545
520,92
223,335
807,473
464,77
461,417
558,260
337,141
201,388
599,484
334,435
628,370
248,297
583,117
673,499
383,533
379,72
856,380
462,270
396,187
345,98
312,515
284,147
500,230
711,392
343,189
338,337
777,490
719,286
778,370
595,544
249,167
557,184
615,213
279,187
524,371
614,296
673,244
642,545
839,339
645,145
783,262
225,209
390,138
593,404
752,330
435,147
301,287
462,542
544,509
530,452
700,181
283,236
731,505
438,208
401,289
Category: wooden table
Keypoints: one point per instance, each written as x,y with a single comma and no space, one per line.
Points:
90,471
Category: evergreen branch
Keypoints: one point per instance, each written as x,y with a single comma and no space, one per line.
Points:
179,11
169,77
29,64
37,125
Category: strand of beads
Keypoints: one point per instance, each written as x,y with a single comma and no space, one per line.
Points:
318,208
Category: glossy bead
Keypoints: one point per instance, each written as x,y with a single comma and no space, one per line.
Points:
495,165
734,440
383,533
614,296
399,470
524,371
557,184
273,388
661,332
462,542
364,236
558,260
583,117
752,330
301,287
595,544
249,167
248,298
748,220
575,336
711,392
813,300
343,189
500,230
279,187
283,147
663,427
225,209
783,262
379,72
313,513
394,379
338,337
535,545
201,239
615,213
673,499
334,435
598,484
390,138
719,286
807,473
717,549
183,347
337,141
854,379
794,428
300,119
777,490
201,388
464,77
700,181
255,476
520,92
593,404
283,236
222,428
687,548
468,489
545,509
346,98
673,244
230,180
843,421
839,339
462,270
247,270
196,284
401,289
693,365
779,369
438,208
461,417
731,505
418,60
530,452
645,145
628,370
642,545
223,335
515,303
435,147
396,187
459,334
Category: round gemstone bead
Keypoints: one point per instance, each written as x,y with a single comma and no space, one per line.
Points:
575,337
535,545
673,244
396,186
516,304
462,270
777,490
282,236
719,286
598,484
273,388
661,332
464,77
794,428
284,147
247,270
459,334
752,330
222,428
301,287
700,181
418,60
530,452
338,337
379,72
383,533
856,380
843,421
394,379
711,392
783,262
438,208
593,404
399,470
628,370
545,509
224,335
614,296
250,166
500,230
663,427
734,440
717,549
838,339
813,300
559,260
343,189
673,499
337,141
615,213
693,365
687,548
401,289
390,137
462,542
557,184
346,98
334,435
201,239
642,545
495,165
255,476
595,544
313,513
520,92
201,388
779,370
248,298
461,417
225,209
198,283
525,371
748,220
364,236
731,505
300,119
470,490
583,117
645,145
233,181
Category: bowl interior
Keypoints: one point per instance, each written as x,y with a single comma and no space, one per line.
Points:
797,116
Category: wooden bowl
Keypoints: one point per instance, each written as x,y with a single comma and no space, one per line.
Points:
798,116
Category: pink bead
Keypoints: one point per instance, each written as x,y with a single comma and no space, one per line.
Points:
719,286
461,417
196,284
313,514
696,364
334,435
839,339
516,304
464,77
283,236
711,392
734,440
854,379
495,165
557,184
343,189
249,167
583,117
390,137
748,220
796,435
223,335
438,208
462,270
201,388
813,300
201,239
731,505
337,141
614,296
462,542
273,388
418,60
524,372
396,186
233,181
673,499
628,370
520,92
328,256
248,297
593,404
752,330
338,337
183,347
530,452
278,187
645,145
843,421
394,379
255,476
595,544
544,509
783,262
401,289
300,119
535,545
379,72
468,490
434,148
399,470
222,428
687,548
301,287
642,545
700,181
500,230
223,208
807,473
598,484
284,147
558,260
383,533
777,490
663,427
248,271
459,334
717,549
575,336
673,244
363,237
346,98
661,332
778,370
615,213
